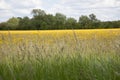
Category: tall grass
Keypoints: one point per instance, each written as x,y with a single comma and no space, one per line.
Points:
65,58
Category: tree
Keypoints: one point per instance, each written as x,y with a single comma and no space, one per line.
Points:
38,12
60,20
25,24
39,17
43,21
49,22
84,22
94,21
13,23
3,26
71,23
92,17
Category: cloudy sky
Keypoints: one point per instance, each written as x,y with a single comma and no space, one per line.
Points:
105,10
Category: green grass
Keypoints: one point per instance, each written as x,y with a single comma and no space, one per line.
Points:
61,67
62,60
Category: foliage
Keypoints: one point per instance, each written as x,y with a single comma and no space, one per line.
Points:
43,21
83,55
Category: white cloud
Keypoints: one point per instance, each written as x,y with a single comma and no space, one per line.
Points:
3,5
9,8
104,9
21,4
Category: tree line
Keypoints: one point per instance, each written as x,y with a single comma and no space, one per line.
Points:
43,21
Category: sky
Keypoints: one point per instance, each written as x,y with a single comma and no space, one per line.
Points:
105,10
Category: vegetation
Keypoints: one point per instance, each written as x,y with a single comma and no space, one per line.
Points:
60,55
43,21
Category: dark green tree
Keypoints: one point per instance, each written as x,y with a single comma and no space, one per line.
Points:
70,23
43,21
60,20
38,12
13,23
25,24
84,22
4,26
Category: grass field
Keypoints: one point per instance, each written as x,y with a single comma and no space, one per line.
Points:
60,55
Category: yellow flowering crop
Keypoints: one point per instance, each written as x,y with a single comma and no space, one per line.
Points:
50,36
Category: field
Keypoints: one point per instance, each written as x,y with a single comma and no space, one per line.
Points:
60,55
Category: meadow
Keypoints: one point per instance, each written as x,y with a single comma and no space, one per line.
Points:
60,55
